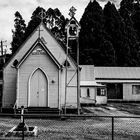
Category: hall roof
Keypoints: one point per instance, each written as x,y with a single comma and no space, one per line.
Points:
127,73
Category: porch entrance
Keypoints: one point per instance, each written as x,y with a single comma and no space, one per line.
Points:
115,91
38,96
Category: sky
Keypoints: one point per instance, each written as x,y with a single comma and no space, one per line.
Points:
26,8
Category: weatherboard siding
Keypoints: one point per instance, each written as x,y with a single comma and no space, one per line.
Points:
127,92
30,64
46,64
9,87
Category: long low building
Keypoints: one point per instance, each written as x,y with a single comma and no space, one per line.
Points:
123,83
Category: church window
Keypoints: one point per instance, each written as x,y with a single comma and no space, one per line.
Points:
88,92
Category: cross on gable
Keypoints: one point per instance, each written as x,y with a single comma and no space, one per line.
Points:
72,11
39,30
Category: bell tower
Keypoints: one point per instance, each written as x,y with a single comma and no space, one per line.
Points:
72,29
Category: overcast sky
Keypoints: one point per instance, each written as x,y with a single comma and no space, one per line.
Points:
26,7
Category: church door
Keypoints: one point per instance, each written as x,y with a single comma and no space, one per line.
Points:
38,96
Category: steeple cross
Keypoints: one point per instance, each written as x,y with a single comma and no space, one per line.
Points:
42,15
39,31
72,11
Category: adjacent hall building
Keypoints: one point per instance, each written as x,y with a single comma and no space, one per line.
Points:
122,83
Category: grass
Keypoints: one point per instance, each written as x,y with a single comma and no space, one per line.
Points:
87,129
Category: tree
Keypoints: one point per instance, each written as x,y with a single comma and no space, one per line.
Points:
136,17
18,32
128,12
115,28
35,21
53,19
92,37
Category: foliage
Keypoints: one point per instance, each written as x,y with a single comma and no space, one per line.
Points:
109,37
93,38
18,33
53,19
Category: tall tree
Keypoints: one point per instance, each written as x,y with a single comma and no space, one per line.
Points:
127,11
92,37
53,19
35,21
115,28
18,32
136,17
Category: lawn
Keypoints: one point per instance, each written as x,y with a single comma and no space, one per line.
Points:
93,128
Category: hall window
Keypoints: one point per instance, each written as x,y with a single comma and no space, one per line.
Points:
88,92
101,92
135,89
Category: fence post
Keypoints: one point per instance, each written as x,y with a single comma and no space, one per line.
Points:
22,121
112,128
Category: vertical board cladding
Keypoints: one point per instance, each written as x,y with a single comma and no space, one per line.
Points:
71,94
26,70
92,92
128,94
9,87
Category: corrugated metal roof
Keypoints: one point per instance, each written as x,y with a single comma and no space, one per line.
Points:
117,72
90,83
87,73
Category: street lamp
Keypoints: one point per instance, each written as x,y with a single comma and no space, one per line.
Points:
73,29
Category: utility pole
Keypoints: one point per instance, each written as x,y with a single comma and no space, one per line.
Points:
3,52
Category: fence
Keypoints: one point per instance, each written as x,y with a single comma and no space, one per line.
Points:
73,127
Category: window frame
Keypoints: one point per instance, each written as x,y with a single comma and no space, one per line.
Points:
135,90
101,91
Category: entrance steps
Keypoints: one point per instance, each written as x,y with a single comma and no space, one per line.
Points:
40,110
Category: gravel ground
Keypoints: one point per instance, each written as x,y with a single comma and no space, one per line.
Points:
93,128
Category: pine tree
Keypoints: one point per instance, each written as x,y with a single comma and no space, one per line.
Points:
115,28
92,38
136,17
18,32
127,12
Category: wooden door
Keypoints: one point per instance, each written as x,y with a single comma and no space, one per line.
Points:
38,90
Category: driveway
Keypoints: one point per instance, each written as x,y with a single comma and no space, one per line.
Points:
115,109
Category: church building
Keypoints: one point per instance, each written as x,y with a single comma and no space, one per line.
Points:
35,75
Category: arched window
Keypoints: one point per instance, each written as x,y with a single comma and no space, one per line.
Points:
88,92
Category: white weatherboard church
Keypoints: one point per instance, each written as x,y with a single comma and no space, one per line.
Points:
35,75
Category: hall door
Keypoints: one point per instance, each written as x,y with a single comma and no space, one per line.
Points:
38,90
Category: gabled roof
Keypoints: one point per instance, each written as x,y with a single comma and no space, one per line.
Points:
38,41
52,45
87,73
130,73
72,18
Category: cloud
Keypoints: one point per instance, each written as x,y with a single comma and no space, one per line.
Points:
26,8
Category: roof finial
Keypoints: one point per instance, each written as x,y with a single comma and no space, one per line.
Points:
72,11
42,15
